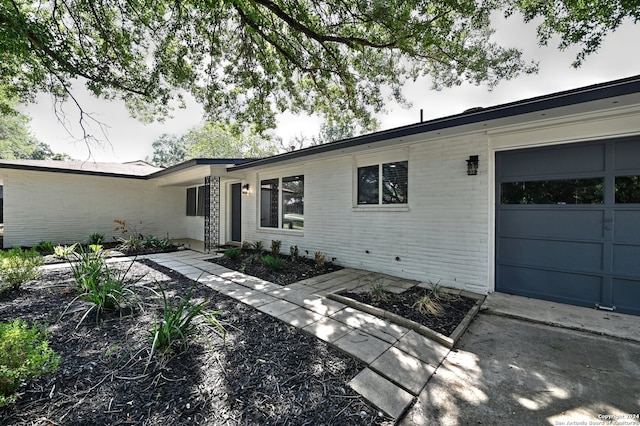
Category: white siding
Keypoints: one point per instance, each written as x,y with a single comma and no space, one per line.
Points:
441,237
66,208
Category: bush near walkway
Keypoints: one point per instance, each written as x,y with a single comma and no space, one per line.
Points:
18,266
24,353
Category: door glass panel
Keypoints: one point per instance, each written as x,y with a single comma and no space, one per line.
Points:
560,191
627,189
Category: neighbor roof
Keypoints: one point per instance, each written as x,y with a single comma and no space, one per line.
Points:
136,169
626,86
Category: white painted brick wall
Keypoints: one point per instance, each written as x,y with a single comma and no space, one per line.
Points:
443,237
66,208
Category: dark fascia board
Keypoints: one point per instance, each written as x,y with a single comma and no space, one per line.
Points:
168,170
594,92
70,171
200,162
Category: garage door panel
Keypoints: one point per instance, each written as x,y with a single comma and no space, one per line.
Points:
563,255
567,287
552,223
553,161
627,229
626,155
626,294
626,260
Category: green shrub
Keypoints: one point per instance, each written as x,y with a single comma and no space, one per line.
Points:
95,238
131,245
24,353
233,253
274,263
45,247
88,268
378,292
63,252
19,266
177,323
275,248
108,291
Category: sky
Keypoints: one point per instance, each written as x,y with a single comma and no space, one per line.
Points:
126,139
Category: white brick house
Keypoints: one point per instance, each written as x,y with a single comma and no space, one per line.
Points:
553,211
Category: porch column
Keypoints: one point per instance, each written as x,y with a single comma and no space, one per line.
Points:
212,212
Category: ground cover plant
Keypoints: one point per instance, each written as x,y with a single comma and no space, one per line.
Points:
18,266
274,267
24,353
262,372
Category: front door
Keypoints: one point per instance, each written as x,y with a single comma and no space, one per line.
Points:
236,212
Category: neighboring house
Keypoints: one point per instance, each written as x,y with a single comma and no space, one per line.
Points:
538,198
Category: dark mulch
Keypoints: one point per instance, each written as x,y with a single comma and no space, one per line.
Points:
454,308
293,272
264,373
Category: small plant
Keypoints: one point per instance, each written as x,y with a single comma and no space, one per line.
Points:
45,247
19,266
110,291
177,323
378,292
274,263
275,248
320,259
24,353
294,253
246,245
63,252
233,253
88,268
95,238
131,245
430,303
258,246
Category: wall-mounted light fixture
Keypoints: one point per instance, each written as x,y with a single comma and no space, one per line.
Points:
472,165
245,188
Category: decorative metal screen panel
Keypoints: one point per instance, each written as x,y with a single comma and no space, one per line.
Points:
212,212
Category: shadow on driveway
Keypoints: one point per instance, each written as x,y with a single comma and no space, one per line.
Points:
507,371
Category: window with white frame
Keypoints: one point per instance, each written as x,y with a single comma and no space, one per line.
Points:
386,183
282,203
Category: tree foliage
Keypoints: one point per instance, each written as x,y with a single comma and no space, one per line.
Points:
248,60
210,140
583,23
16,139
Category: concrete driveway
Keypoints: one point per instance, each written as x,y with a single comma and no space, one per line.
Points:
507,371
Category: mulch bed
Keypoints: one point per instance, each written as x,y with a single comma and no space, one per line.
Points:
293,272
264,373
454,309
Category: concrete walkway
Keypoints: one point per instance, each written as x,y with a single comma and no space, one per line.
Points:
399,361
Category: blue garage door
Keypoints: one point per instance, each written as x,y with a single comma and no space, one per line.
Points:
568,224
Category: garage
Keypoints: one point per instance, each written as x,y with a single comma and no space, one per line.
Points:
568,223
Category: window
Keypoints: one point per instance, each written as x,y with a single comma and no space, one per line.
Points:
561,191
627,189
195,201
282,203
393,189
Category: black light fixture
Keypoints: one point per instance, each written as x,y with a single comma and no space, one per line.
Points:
245,188
472,165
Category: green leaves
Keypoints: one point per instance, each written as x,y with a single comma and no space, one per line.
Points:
581,23
24,353
247,61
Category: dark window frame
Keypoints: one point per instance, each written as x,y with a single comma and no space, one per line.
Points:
381,185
